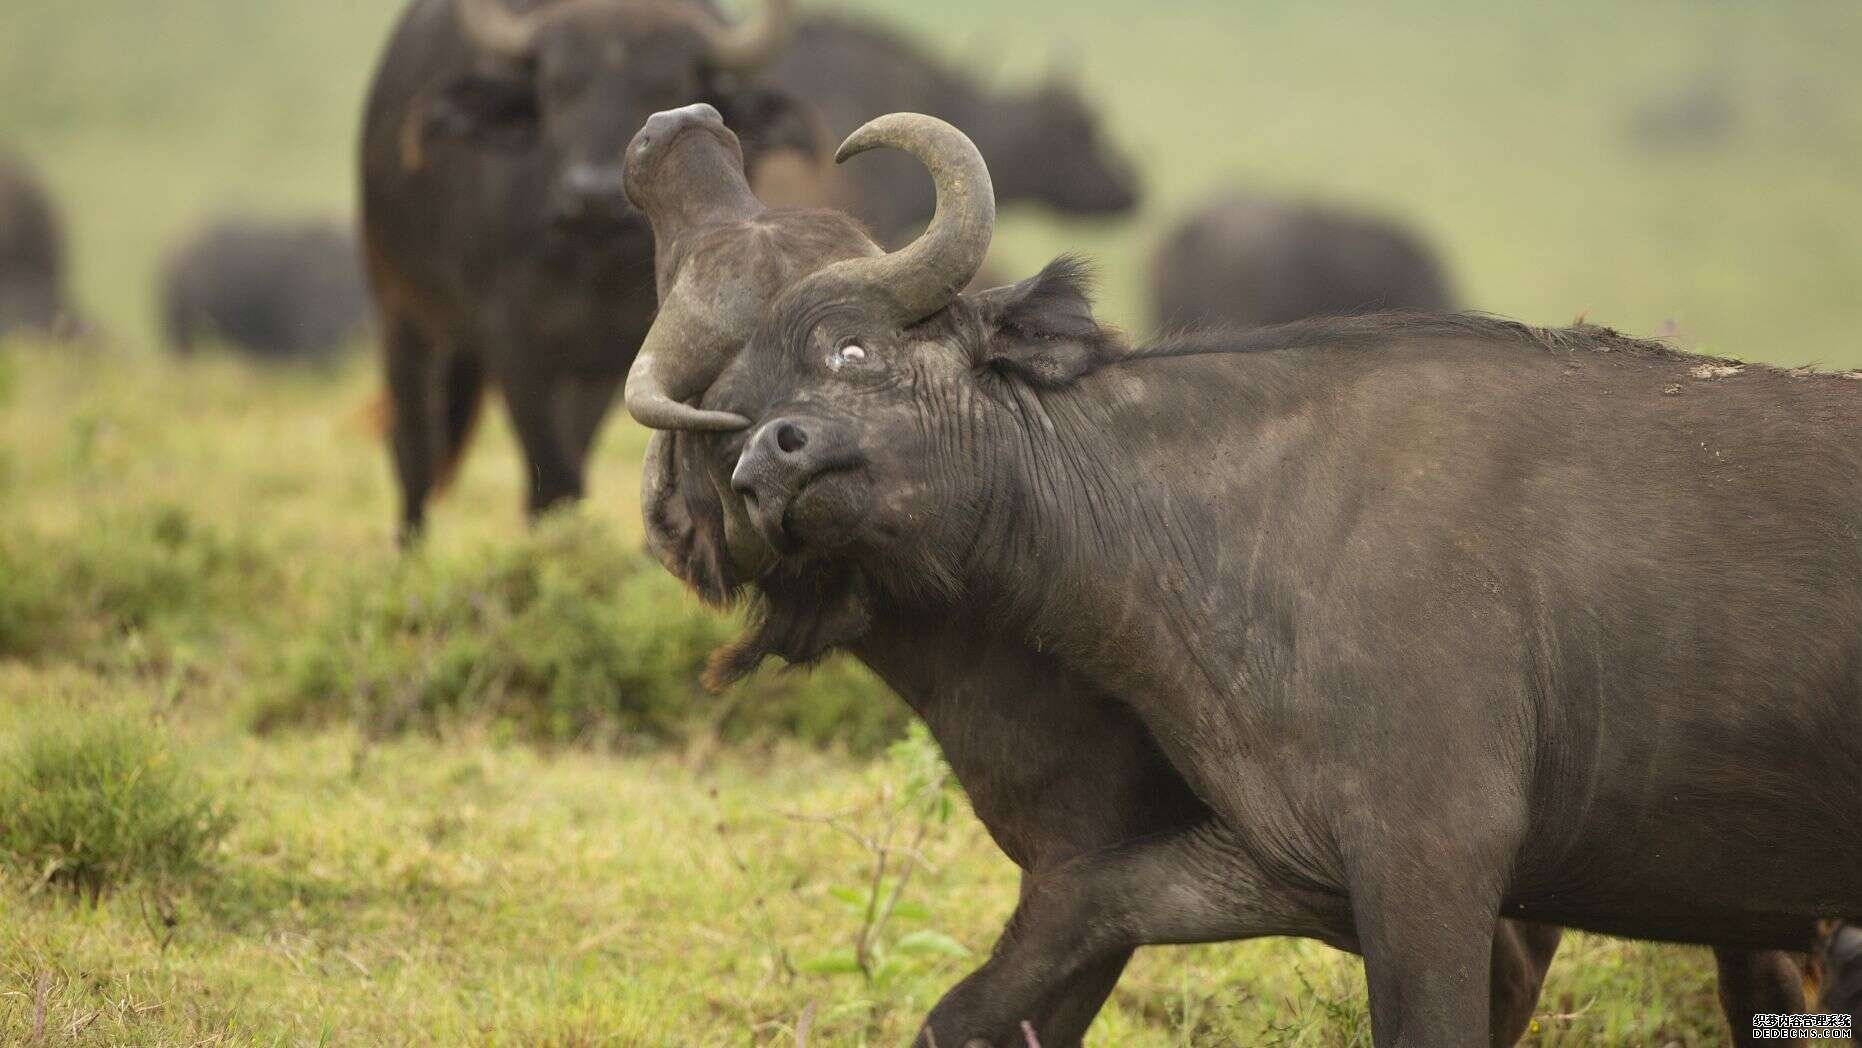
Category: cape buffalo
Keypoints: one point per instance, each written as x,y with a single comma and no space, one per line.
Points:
274,288
1250,261
32,253
1435,619
500,245
1043,145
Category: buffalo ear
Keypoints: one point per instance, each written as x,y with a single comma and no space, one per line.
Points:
498,112
1042,329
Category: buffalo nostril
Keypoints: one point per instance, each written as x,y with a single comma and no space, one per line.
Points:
790,438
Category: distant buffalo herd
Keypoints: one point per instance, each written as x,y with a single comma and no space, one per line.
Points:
1326,612
279,289
33,295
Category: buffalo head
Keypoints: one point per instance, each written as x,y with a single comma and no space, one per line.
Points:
1047,145
884,410
719,259
577,78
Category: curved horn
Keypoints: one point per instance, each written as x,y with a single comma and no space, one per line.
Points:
750,44
493,27
924,276
679,358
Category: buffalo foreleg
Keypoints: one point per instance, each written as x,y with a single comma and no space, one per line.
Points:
411,381
583,404
554,477
1075,927
1078,923
1426,926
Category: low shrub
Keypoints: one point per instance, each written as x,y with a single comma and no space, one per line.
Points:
142,569
96,800
566,636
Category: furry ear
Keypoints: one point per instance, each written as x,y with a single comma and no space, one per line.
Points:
1042,329
490,111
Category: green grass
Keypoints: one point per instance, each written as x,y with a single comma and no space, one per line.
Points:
566,636
420,892
487,805
98,801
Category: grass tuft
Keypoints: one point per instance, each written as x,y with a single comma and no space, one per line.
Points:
151,569
98,800
565,636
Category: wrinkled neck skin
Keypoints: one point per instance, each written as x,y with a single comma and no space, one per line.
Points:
1086,549
1122,538
1108,593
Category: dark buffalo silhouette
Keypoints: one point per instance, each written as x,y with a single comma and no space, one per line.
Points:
32,253
500,245
1423,620
1043,145
274,288
1248,261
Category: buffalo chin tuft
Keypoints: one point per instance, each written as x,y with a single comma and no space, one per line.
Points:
802,614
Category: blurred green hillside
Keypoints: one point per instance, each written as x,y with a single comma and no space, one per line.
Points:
1502,129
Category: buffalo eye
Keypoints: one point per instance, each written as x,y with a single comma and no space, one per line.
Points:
851,353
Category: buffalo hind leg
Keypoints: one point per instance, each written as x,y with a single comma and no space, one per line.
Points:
1756,982
409,357
554,477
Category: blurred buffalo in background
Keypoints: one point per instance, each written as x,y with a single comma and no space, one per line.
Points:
32,254
1696,114
1251,261
1839,964
277,289
1043,145
500,245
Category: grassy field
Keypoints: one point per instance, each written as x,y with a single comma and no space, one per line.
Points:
473,795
